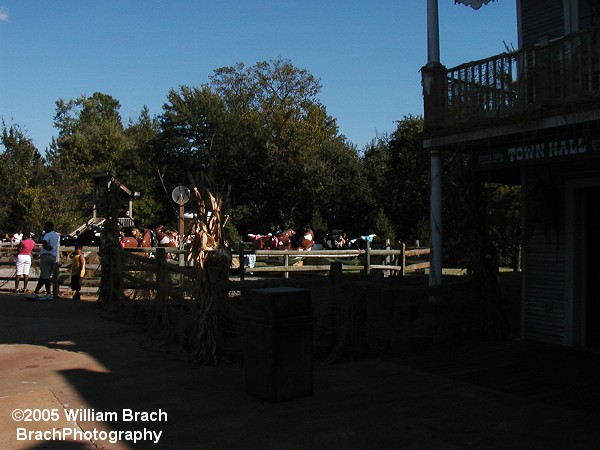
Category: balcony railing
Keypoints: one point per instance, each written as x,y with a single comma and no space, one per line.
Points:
563,74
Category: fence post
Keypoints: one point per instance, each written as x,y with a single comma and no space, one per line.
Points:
395,259
403,258
286,262
55,282
368,259
241,256
161,273
335,272
389,259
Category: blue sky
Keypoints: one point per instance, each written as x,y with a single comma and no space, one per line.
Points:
366,54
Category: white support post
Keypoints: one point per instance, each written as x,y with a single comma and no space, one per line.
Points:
435,201
433,32
435,269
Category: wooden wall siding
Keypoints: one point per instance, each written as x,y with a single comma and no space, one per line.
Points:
541,19
544,297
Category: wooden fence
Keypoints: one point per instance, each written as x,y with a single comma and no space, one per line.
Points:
392,261
140,272
7,261
8,251
143,272
169,276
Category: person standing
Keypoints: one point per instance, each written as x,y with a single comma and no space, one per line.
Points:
48,257
77,271
24,261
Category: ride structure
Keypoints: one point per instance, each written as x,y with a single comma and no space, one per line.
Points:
105,180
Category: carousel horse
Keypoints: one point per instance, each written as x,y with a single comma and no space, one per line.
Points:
268,241
258,241
285,239
360,243
272,242
136,239
166,237
307,240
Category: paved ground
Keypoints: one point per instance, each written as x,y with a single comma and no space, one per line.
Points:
60,357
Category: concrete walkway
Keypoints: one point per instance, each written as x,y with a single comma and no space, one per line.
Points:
60,358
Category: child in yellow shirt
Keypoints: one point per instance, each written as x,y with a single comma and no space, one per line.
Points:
77,271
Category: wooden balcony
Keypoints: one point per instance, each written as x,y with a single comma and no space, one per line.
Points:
537,82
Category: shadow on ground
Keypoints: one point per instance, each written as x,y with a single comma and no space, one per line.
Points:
498,395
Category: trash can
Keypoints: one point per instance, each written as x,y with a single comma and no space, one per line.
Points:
279,343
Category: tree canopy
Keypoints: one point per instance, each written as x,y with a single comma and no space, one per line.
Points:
262,134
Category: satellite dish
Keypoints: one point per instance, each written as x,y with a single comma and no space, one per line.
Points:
180,194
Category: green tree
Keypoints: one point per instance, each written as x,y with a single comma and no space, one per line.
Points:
90,135
399,174
198,134
491,225
467,202
92,139
276,94
138,169
22,189
336,184
262,131
383,227
306,166
399,177
505,214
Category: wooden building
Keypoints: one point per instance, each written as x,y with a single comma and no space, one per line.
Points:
532,117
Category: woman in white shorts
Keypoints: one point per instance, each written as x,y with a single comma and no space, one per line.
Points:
24,261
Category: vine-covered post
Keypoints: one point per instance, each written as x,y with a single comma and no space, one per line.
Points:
211,266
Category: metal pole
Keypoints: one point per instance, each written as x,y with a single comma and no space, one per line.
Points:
181,231
94,201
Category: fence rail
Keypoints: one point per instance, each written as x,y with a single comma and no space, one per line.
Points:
141,272
7,259
393,261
